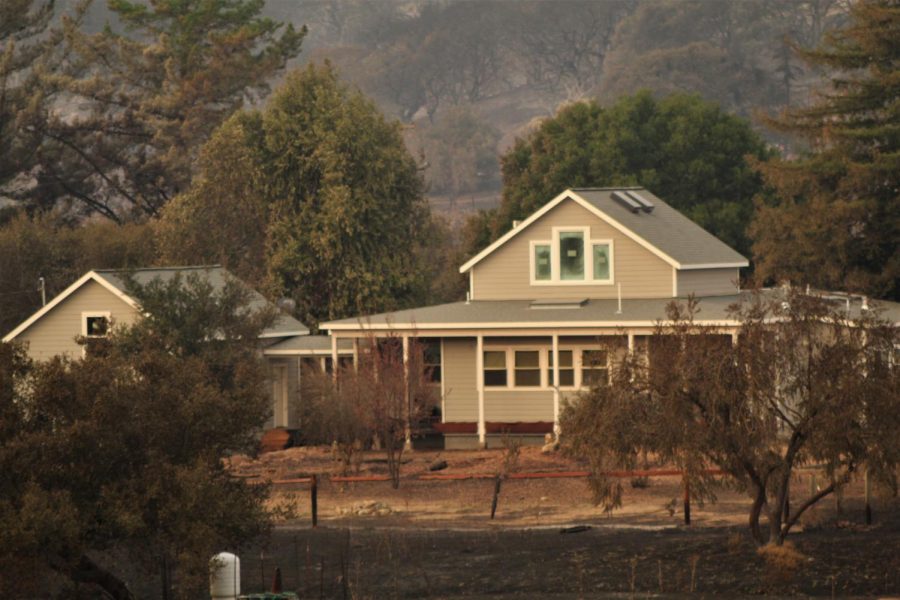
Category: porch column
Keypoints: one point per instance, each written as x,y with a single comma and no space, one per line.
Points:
630,343
406,397
334,357
556,385
356,354
479,384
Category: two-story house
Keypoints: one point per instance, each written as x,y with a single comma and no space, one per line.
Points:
553,301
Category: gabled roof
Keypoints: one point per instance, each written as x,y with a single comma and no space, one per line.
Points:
114,280
664,231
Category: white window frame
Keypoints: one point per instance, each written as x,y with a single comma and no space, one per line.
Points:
544,361
580,361
96,313
589,244
509,382
532,265
576,368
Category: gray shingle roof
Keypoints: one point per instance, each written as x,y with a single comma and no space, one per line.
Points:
308,344
665,228
284,325
486,314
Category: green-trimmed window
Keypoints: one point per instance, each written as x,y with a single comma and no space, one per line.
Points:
601,262
542,264
571,255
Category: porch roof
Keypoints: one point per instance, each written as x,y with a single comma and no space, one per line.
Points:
592,313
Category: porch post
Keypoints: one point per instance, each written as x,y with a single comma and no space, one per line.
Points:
479,383
334,357
556,385
630,343
356,354
406,397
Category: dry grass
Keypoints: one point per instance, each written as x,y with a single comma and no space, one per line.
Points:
782,563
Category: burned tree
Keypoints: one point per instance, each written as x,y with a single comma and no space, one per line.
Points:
799,381
380,398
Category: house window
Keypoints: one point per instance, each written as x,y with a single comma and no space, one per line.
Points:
495,368
594,367
566,369
571,255
542,262
601,262
95,324
527,368
432,360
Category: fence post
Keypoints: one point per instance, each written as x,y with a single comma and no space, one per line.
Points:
687,502
314,500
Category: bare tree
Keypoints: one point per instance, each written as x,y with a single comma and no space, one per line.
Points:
801,383
383,396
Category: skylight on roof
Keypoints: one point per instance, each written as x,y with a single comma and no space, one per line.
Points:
627,201
646,205
538,304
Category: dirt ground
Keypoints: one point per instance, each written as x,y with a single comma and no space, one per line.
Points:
435,539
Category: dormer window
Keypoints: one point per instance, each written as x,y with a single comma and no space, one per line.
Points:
572,258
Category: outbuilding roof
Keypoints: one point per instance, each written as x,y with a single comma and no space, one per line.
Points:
114,280
662,230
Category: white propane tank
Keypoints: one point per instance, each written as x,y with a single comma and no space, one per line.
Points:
225,576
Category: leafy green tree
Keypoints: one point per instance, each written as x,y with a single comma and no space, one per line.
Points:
149,98
334,201
836,220
803,384
123,449
685,149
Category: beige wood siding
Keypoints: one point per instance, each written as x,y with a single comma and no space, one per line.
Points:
505,274
512,406
55,332
460,382
708,282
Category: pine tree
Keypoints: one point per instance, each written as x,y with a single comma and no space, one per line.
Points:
136,106
836,220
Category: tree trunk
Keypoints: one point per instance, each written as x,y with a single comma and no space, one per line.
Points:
755,511
87,571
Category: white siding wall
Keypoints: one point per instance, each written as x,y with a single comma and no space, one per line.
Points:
55,332
708,282
505,274
460,385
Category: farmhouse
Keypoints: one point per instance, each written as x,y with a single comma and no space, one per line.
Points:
100,300
553,302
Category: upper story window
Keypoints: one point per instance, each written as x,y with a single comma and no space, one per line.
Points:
571,257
